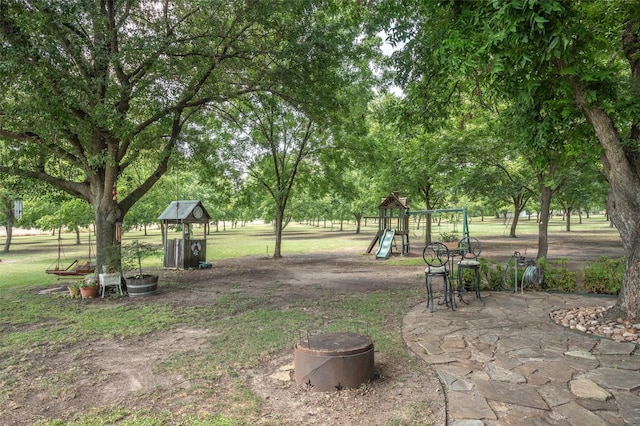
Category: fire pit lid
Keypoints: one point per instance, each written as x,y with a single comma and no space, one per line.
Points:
334,344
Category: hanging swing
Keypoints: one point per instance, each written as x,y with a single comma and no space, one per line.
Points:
75,269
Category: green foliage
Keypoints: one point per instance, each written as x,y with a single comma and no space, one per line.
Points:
449,237
556,275
604,276
71,213
90,280
468,278
87,116
492,272
133,253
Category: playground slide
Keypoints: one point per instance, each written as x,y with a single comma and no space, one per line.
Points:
384,250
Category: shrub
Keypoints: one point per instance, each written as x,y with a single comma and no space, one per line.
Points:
134,252
468,278
604,276
557,276
449,237
492,273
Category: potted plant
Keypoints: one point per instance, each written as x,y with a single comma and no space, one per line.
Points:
139,284
74,289
450,239
89,286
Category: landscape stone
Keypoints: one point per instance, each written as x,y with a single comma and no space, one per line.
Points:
468,422
620,361
503,375
608,347
525,369
518,394
595,405
554,396
454,342
580,416
469,406
580,354
585,388
614,378
630,405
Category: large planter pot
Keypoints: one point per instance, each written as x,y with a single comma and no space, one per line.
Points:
89,292
451,245
142,286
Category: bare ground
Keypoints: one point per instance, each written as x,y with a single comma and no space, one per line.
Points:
89,375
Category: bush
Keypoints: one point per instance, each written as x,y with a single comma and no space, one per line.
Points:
449,237
604,276
492,273
557,276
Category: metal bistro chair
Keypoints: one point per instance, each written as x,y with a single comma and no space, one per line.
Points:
470,248
436,256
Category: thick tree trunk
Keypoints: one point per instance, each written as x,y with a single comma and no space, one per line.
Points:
623,206
621,162
108,247
543,222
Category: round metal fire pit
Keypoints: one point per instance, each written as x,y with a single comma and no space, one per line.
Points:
333,361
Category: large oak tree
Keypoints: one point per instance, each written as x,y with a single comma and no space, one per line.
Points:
589,50
89,87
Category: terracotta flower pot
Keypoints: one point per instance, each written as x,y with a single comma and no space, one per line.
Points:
89,292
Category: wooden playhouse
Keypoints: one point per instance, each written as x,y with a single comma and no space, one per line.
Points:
188,251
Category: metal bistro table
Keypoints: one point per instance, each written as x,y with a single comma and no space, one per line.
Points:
453,253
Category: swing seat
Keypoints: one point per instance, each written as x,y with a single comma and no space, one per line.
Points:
58,271
73,270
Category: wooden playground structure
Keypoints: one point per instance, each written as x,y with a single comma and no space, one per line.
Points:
393,220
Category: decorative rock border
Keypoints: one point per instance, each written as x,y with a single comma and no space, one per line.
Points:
591,320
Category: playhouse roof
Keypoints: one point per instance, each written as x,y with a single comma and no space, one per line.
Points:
394,200
182,212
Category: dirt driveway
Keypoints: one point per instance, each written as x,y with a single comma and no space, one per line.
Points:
410,392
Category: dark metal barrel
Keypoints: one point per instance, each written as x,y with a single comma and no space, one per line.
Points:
333,361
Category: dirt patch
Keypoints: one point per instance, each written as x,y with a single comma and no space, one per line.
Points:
396,394
66,381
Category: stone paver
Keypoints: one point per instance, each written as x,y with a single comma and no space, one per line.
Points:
503,361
